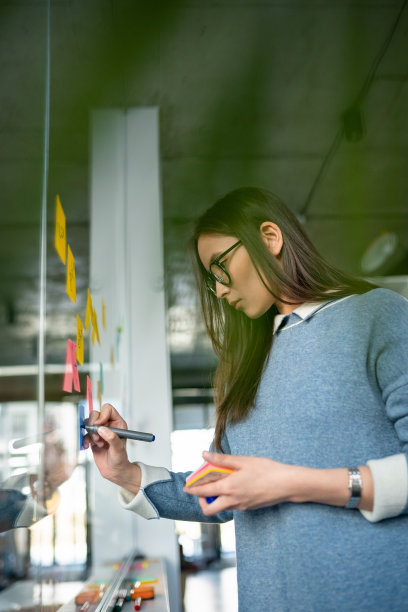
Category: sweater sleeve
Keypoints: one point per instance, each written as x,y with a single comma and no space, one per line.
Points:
161,495
390,351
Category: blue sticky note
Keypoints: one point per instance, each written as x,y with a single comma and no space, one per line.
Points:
81,417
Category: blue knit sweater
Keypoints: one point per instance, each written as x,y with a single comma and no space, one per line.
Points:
334,393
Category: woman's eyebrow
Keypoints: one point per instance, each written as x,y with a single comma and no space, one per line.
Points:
215,255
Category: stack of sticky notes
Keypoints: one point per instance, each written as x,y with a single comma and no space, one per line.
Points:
207,473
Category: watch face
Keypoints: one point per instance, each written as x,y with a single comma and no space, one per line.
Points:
380,251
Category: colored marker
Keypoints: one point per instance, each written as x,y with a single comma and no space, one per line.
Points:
128,586
119,604
138,603
124,433
145,592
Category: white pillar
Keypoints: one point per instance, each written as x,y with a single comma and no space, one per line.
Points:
127,273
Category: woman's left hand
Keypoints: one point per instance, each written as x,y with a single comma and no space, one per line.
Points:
255,483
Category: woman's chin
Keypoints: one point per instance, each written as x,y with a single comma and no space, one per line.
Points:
253,313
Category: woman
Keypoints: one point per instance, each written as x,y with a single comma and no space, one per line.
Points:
312,415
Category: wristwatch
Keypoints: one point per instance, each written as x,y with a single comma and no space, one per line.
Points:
355,486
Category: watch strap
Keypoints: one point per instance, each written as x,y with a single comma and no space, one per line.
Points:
355,485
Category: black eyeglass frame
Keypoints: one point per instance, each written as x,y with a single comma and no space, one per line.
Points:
213,278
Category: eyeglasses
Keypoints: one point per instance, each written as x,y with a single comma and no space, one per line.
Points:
218,272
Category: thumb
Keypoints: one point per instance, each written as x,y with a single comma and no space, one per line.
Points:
221,459
111,438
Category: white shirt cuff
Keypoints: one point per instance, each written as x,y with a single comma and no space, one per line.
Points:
390,476
140,503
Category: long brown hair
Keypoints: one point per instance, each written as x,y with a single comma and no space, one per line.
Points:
240,343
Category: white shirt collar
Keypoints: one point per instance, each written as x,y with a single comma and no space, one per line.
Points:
302,311
306,310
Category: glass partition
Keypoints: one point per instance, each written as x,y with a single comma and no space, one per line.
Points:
23,499
73,332
44,535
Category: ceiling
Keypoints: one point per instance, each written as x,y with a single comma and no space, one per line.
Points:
306,98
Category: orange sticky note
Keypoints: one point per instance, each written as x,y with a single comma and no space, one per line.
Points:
207,473
71,285
60,240
88,311
103,316
80,341
89,393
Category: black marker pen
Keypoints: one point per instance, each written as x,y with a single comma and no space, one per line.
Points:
124,433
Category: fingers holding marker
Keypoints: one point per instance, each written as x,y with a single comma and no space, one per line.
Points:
92,439
93,417
106,417
108,441
101,432
109,436
111,417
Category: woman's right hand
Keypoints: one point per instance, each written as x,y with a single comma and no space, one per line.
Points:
109,450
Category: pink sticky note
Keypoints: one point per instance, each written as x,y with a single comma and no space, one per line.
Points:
67,383
89,393
71,369
77,386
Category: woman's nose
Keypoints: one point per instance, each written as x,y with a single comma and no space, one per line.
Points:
221,290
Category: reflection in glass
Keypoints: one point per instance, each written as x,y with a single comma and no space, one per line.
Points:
36,465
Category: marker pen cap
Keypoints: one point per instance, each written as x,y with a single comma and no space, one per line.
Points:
138,603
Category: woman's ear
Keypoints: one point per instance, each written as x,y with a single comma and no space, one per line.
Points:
272,237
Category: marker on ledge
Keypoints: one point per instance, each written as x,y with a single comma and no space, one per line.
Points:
138,603
124,433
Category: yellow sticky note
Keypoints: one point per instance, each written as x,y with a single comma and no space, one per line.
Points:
80,341
88,311
60,240
95,325
103,315
71,286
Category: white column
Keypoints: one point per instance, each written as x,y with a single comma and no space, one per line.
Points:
127,273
